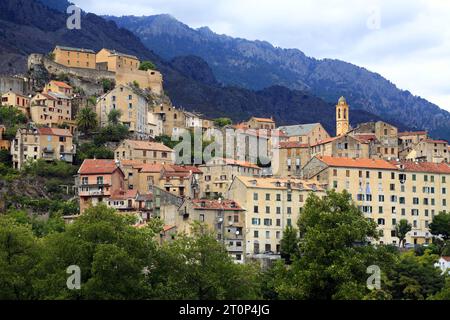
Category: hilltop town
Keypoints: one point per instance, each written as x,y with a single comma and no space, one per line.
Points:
106,113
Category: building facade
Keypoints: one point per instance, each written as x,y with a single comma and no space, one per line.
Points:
51,109
75,57
144,151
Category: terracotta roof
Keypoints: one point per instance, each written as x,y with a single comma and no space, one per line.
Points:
428,167
61,84
364,138
54,132
228,205
129,194
357,163
195,170
263,120
93,166
236,163
75,49
412,133
292,144
47,96
147,145
168,228
446,259
280,183
132,163
436,141
151,168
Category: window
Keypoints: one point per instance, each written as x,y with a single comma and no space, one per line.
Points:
202,218
267,234
268,210
267,196
84,181
289,197
380,175
278,197
335,173
256,234
256,221
256,209
255,197
100,181
268,222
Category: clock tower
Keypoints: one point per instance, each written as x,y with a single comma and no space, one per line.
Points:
342,117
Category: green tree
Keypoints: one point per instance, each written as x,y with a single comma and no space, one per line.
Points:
401,230
198,267
334,255
108,85
222,122
92,151
5,157
147,65
289,244
87,120
19,254
441,225
114,116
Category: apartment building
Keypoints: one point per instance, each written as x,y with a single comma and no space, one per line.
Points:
51,109
218,174
75,57
117,61
132,104
261,123
345,146
155,125
292,156
407,140
429,150
271,205
42,143
388,192
311,133
98,181
17,100
144,151
223,217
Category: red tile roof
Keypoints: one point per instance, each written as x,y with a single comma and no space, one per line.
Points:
54,132
121,195
264,120
147,145
427,167
228,205
328,140
168,228
195,170
292,145
152,168
61,84
412,133
436,141
364,138
446,259
240,163
93,166
132,163
357,163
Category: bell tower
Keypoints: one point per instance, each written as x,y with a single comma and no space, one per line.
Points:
342,117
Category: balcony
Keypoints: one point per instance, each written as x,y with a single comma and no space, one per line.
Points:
93,190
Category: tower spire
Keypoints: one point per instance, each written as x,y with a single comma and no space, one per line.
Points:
342,117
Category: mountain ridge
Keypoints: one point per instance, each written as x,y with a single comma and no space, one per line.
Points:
258,64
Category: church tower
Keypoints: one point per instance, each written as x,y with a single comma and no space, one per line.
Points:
342,117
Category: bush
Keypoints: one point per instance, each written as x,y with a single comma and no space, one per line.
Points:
56,169
108,85
147,65
111,133
91,151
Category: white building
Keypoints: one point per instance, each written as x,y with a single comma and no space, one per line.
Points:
444,264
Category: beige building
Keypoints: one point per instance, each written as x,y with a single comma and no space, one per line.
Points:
292,156
133,106
261,123
173,119
51,109
4,144
144,151
407,140
311,133
344,146
17,100
117,61
224,217
42,143
428,150
218,174
60,87
271,205
75,57
388,192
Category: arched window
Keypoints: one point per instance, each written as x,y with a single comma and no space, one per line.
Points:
175,116
345,114
339,113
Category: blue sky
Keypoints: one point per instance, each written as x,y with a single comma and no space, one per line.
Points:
408,42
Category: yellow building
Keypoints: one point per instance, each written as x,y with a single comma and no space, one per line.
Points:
261,123
51,109
342,117
4,144
388,192
42,143
60,87
345,146
17,100
271,205
218,174
75,57
428,150
133,106
144,151
310,133
172,118
117,61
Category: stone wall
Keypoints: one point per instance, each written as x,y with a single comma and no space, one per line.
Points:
15,84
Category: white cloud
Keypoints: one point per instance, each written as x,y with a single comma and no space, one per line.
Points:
411,48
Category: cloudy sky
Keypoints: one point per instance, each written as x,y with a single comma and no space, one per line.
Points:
406,41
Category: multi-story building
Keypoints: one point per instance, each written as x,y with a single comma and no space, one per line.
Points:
4,144
430,151
218,174
51,109
173,119
292,156
42,143
388,192
224,217
117,61
407,140
346,146
271,205
132,104
17,100
144,151
155,124
98,181
311,133
75,57
261,123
